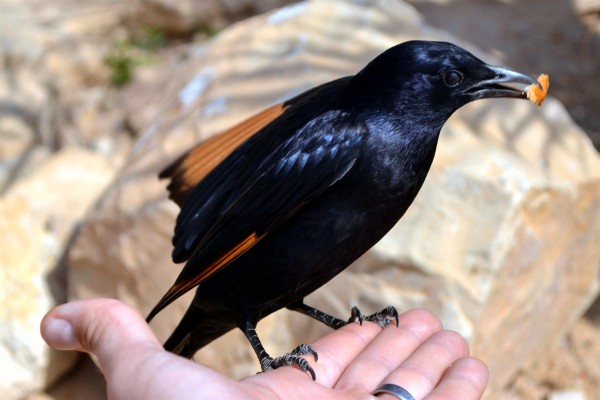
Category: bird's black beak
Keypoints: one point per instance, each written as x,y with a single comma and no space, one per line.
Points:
498,84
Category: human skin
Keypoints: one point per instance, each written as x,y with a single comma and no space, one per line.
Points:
431,363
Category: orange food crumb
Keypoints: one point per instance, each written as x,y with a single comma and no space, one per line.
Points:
535,94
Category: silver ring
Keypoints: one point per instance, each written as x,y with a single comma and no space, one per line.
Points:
395,390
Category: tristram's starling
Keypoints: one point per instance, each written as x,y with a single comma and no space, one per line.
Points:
278,205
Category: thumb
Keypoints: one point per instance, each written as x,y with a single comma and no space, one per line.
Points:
104,327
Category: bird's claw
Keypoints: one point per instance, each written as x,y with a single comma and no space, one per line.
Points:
383,318
293,359
356,315
305,350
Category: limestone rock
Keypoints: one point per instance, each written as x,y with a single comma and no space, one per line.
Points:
52,59
39,215
501,243
587,6
86,382
27,252
568,395
121,245
568,367
23,100
62,190
185,17
50,33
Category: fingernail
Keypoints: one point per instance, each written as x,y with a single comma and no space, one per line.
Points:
60,334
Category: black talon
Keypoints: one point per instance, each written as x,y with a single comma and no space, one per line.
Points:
393,313
305,350
267,363
385,317
292,359
355,315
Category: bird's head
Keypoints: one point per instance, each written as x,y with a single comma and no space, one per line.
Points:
436,77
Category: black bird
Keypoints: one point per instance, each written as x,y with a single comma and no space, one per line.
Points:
277,206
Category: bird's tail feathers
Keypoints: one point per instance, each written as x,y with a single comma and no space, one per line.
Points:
195,331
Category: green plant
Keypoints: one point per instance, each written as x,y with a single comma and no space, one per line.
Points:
131,53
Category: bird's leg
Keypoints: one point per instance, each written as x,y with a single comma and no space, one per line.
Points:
321,316
268,363
383,317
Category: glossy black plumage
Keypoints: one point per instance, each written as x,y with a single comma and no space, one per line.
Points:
315,188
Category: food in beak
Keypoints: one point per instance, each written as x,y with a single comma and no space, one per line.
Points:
537,93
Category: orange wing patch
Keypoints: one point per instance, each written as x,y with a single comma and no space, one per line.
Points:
192,167
181,287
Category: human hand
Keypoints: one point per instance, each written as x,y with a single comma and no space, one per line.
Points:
432,364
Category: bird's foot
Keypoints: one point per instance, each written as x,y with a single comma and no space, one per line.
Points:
383,317
293,359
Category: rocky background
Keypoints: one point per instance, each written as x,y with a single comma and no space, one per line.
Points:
96,96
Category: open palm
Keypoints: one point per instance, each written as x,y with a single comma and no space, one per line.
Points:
429,362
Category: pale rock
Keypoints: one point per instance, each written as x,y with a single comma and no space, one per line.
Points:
587,6
570,366
49,34
28,253
52,53
62,190
501,243
568,395
122,244
23,106
61,20
18,165
39,216
185,17
72,69
54,78
85,382
585,346
145,95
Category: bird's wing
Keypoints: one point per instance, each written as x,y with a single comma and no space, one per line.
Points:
187,171
211,174
193,166
301,168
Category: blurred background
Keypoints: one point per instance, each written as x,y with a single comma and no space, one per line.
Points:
503,242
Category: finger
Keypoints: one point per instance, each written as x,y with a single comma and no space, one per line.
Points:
335,350
102,327
423,370
133,361
465,379
339,349
388,350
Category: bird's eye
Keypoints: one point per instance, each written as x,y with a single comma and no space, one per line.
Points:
452,78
